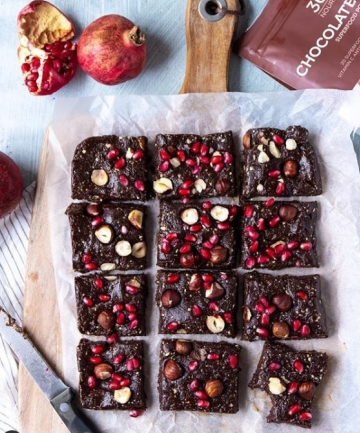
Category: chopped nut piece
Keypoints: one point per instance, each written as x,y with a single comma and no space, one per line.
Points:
220,213
123,248
122,395
162,185
99,177
190,216
275,386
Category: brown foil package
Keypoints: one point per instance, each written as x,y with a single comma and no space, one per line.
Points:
306,43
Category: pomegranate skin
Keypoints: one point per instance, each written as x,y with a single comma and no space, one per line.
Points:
112,50
11,185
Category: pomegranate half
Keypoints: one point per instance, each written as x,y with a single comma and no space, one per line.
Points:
112,50
47,56
11,185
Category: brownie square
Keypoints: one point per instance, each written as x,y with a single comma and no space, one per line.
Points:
111,375
279,163
196,166
199,376
196,235
107,237
290,377
279,234
110,168
282,307
197,302
111,304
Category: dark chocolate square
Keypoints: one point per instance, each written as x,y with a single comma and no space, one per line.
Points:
111,375
290,377
197,302
279,163
194,166
107,237
199,376
110,168
111,304
279,234
282,307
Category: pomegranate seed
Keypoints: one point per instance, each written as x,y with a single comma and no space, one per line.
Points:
195,228
306,246
270,202
261,224
305,331
262,332
270,310
193,365
271,253
204,150
280,189
233,361
164,155
138,154
207,277
104,298
97,349
216,159
302,295
296,324
131,308
219,167
305,416
213,306
88,301
253,247
187,184
293,387
172,326
298,365
233,211
190,162
130,364
203,404
214,239
204,159
125,382
274,173
185,200
112,338
277,139
196,170
120,163
274,366
165,248
292,245
251,233
205,253
274,221
132,316
259,307
117,377
186,248
207,205
264,301
208,245
184,191
279,249
99,283
123,180
223,226
294,409
91,382
33,77
228,158
228,317
118,307
134,413
206,285
201,394
263,260
181,155
25,67
196,310
264,320
250,262
139,185
118,359
172,237
86,258
164,166
195,148
285,256
172,278
113,153
190,238
213,356
132,289
248,211
136,363
205,221
298,263
114,384
95,360
120,320
194,385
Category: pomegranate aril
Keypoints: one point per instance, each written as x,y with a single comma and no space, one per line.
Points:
113,153
132,316
164,155
264,320
216,159
133,290
251,233
228,318
104,298
292,245
99,283
270,310
196,170
193,365
280,189
91,382
181,155
305,331
201,394
114,385
274,222
134,413
274,173
187,183
264,301
228,158
248,211
250,262
223,225
207,205
293,387
190,162
233,211
124,180
25,67
204,150
271,253
219,167
259,307
306,246
112,338
172,326
118,359
263,260
274,366
205,253
294,409
305,416
195,148
96,360
97,349
118,307
194,385
184,191
131,308
203,404
88,301
117,377
190,238
186,248
138,154
195,228
214,239
285,256
205,221
97,221
298,365
206,285
270,202
213,306
171,237
233,361
197,311
165,248
277,139
125,382
205,160
185,200
279,249
262,332
296,324
164,166
120,320
139,185
261,224
120,163
302,295
86,258
253,247
172,278
208,245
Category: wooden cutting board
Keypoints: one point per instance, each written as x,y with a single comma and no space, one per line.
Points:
208,53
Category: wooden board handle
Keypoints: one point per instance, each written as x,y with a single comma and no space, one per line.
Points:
208,49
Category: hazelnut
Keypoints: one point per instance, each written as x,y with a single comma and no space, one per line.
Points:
162,185
263,157
93,209
99,177
190,216
247,141
274,150
290,144
187,260
103,371
247,314
222,186
105,234
171,149
138,250
170,298
172,370
282,301
307,390
200,185
183,347
175,162
195,282
275,386
142,141
218,254
107,266
287,212
123,248
215,323
136,218
220,213
122,395
215,291
214,388
280,329
106,319
129,153
291,168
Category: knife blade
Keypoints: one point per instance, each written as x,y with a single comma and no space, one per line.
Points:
60,396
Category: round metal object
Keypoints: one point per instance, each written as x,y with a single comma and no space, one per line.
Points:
64,407
207,9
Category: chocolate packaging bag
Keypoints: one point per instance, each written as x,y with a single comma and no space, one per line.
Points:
306,43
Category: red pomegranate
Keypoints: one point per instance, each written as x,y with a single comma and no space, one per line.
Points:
11,184
112,50
46,54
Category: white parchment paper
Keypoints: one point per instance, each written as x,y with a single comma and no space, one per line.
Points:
330,116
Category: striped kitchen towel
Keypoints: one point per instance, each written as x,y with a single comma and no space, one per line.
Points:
14,233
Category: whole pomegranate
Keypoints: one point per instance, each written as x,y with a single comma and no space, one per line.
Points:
11,184
46,54
112,50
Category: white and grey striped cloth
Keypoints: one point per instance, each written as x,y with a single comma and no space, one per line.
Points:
14,232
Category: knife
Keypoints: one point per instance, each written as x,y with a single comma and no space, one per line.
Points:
60,396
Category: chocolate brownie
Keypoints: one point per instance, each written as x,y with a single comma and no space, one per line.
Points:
196,235
197,302
107,237
290,377
286,307
199,376
279,234
110,168
279,163
111,375
194,166
111,304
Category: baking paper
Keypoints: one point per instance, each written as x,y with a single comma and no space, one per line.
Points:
330,116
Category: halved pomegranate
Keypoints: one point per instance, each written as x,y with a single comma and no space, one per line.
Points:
46,54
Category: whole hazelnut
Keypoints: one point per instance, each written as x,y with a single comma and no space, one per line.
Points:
183,347
291,168
103,371
170,298
282,301
287,212
247,141
195,282
187,260
214,388
106,319
307,390
218,254
222,186
280,329
215,291
93,209
247,314
172,370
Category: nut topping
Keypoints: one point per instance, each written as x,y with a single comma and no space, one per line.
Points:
172,370
190,216
99,177
183,347
220,213
162,185
290,144
282,301
136,218
215,324
290,169
106,320
287,212
139,250
275,386
274,150
247,314
307,390
215,291
200,185
247,141
214,388
170,298
103,371
218,254
222,186
107,266
187,260
105,234
263,157
122,395
280,329
93,209
123,248
195,282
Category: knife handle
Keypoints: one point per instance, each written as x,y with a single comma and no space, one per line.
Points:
74,420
